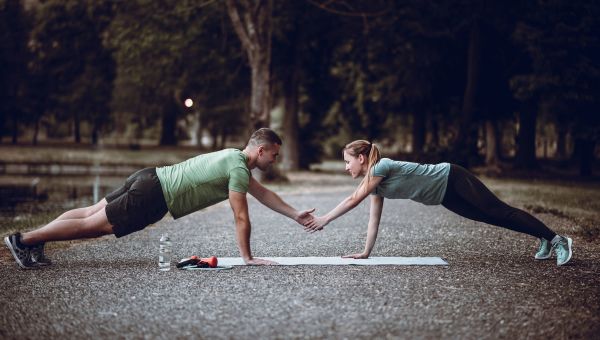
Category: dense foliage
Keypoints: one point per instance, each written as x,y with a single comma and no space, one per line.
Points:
461,80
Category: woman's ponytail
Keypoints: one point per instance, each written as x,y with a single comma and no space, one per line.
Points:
374,157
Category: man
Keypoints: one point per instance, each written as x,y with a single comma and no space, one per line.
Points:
181,189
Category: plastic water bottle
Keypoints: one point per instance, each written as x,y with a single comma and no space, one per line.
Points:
164,253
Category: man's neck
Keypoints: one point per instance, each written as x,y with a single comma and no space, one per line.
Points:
250,158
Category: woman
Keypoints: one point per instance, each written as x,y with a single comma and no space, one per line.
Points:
447,184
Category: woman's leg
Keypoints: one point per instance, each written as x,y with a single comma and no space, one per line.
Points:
467,196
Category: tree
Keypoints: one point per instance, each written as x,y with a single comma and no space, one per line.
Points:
560,38
287,59
306,41
318,89
148,39
423,41
489,61
306,87
70,65
252,23
170,50
14,32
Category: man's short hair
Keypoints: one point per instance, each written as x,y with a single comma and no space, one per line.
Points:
264,136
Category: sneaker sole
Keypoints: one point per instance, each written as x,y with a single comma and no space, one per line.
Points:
14,254
41,264
570,243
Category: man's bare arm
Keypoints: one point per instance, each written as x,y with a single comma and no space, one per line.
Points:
274,202
239,205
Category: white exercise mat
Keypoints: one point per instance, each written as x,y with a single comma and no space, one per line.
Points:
336,261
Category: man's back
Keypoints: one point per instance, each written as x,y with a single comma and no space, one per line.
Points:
204,180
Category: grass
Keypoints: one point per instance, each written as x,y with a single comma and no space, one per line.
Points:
24,222
575,201
88,155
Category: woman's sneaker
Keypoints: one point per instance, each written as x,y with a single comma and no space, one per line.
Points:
545,250
37,255
563,247
19,251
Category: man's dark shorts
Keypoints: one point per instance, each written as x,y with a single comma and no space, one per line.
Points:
137,204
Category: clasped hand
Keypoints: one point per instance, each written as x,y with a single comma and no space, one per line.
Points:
303,217
315,224
310,222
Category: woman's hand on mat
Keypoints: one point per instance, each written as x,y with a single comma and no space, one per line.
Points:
356,256
305,216
260,262
317,223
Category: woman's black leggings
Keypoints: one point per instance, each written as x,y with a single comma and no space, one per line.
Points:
467,196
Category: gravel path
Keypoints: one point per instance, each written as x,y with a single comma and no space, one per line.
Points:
111,288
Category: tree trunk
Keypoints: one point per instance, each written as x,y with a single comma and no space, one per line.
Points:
260,102
466,137
583,154
95,134
198,119
169,122
36,131
434,142
77,128
15,132
214,134
223,139
290,118
2,115
491,144
561,142
525,157
290,131
252,23
418,133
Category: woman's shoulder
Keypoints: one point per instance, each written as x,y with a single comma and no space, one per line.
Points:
383,162
381,167
386,160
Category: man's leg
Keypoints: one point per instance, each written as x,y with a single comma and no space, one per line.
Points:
95,225
83,212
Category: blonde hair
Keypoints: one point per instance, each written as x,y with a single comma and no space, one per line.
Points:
371,152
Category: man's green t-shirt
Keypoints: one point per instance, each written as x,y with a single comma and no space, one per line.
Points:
204,180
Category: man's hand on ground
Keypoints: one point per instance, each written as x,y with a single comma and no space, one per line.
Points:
260,262
356,256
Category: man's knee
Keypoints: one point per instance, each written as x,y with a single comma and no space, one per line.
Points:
107,229
91,229
97,224
91,210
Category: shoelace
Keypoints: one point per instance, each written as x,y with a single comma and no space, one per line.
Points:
560,247
37,252
543,247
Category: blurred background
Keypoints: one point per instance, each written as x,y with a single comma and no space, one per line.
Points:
91,90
